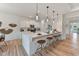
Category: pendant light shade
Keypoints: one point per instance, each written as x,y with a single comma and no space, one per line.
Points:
47,19
36,17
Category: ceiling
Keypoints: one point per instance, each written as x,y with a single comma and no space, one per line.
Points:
29,9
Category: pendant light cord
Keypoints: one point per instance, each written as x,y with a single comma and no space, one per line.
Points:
47,11
37,9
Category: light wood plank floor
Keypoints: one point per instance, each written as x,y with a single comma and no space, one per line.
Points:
67,47
13,49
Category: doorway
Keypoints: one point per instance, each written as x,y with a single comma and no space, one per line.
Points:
74,30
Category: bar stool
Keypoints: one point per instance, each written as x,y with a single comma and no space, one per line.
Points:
49,39
2,39
41,42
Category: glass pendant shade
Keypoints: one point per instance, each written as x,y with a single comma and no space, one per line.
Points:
47,19
36,17
42,21
37,12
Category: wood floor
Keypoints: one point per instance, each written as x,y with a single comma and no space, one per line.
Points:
67,47
13,49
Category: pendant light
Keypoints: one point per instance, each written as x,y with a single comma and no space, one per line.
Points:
47,14
37,12
55,13
53,6
53,16
57,16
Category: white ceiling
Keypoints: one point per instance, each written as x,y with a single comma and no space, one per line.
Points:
29,9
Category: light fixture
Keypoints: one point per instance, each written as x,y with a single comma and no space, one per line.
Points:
47,14
37,12
57,16
55,13
42,21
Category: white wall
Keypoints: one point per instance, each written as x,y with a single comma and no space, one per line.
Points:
7,19
58,23
72,14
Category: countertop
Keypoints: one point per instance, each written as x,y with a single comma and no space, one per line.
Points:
36,36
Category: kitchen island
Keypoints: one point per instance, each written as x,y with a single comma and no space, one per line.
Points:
29,41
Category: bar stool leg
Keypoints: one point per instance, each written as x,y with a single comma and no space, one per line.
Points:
48,43
54,43
41,49
41,46
5,43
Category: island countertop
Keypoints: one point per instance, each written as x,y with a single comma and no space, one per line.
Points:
36,34
39,34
